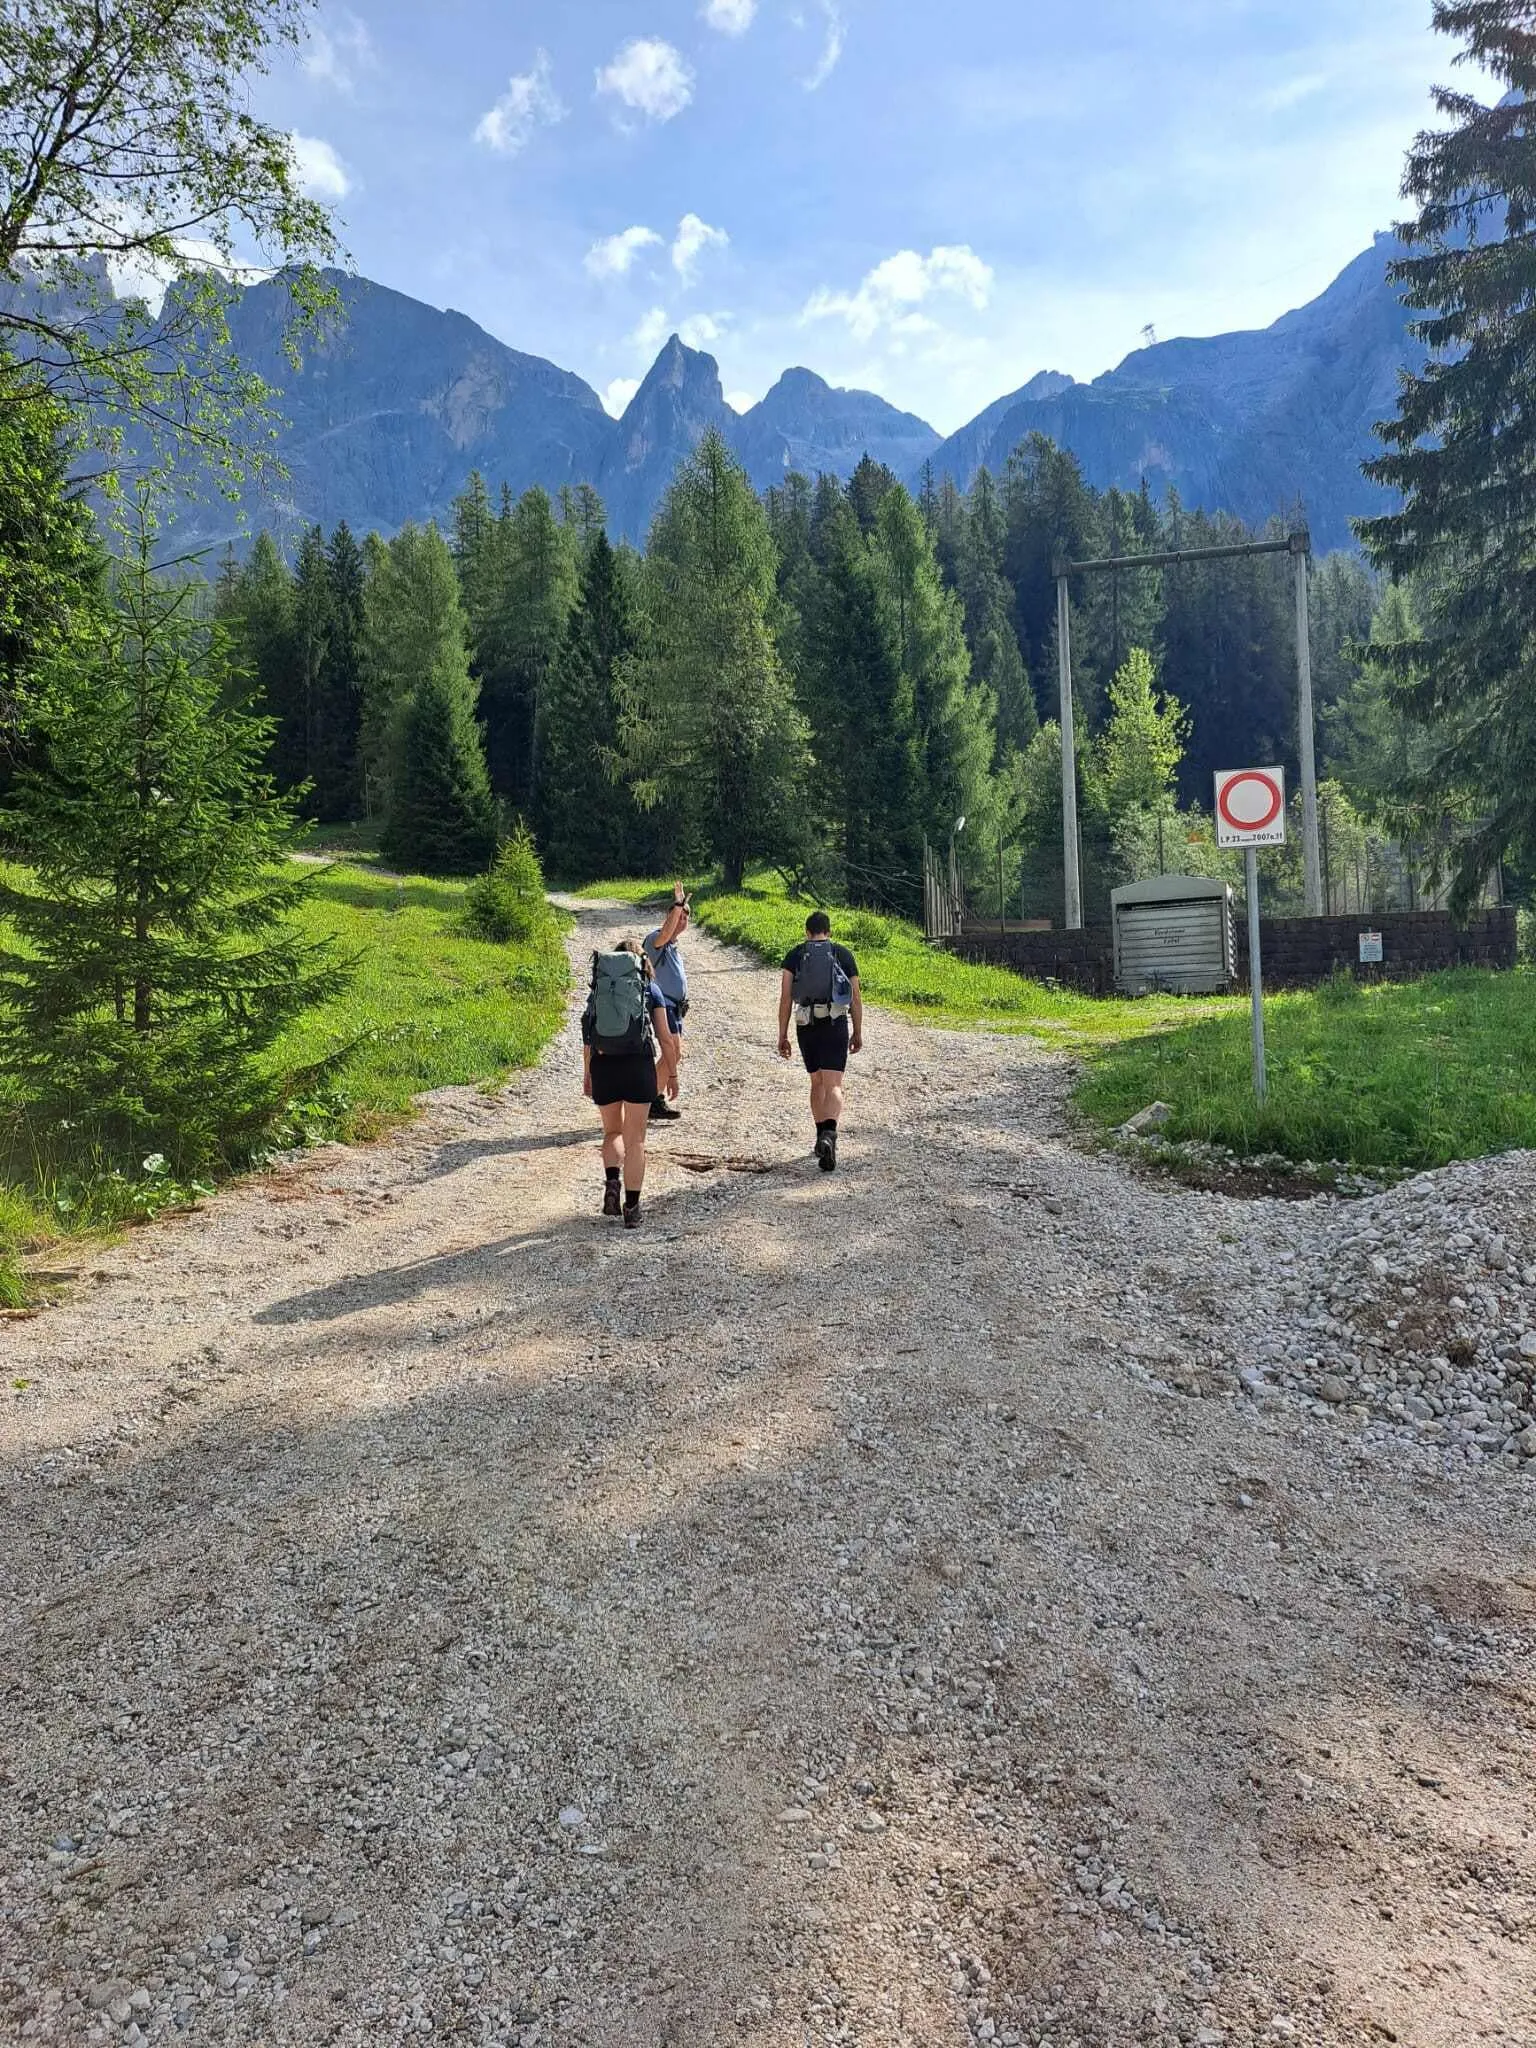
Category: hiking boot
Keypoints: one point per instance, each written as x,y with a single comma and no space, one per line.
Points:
826,1151
611,1199
632,1216
662,1111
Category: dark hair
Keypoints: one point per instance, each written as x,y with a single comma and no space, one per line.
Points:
818,924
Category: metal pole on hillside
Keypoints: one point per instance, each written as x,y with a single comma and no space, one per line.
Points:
1311,861
1256,976
1073,919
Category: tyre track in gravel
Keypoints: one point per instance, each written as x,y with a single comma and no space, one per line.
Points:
426,1611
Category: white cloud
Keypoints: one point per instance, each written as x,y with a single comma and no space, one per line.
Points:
529,102
731,17
652,331
702,330
650,76
740,401
618,394
321,171
831,49
615,256
1293,91
694,236
334,56
884,302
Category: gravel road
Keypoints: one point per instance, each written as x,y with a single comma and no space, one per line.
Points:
939,1603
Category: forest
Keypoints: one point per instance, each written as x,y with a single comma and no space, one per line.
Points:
820,680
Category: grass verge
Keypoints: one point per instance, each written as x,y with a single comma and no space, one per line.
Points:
1397,1077
427,1007
898,968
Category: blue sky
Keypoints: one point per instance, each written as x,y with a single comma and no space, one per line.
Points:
930,198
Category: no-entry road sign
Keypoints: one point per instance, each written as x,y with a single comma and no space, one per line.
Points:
1250,807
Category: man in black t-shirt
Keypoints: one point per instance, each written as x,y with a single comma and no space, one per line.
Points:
819,986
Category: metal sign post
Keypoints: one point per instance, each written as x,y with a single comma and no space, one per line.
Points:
1256,977
1250,813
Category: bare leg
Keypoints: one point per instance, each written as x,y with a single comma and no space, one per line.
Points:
827,1096
632,1145
612,1114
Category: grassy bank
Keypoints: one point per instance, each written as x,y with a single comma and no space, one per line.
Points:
899,969
427,1007
1398,1076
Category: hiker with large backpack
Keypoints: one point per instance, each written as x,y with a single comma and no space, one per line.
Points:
820,988
628,1056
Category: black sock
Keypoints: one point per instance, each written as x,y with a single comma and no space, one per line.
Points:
611,1173
631,1198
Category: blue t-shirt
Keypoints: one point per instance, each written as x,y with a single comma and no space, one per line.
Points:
667,969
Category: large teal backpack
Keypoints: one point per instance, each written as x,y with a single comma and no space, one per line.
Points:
619,1021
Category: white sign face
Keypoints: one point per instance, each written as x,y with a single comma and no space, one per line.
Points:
1370,947
1250,807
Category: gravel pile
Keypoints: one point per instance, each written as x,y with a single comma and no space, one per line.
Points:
1412,1312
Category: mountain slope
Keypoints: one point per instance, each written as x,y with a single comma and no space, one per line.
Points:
394,405
1253,423
397,402
806,424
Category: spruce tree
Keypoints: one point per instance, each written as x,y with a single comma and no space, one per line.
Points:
298,736
260,620
533,605
442,816
413,627
156,961
586,818
956,715
1460,450
710,732
864,724
337,765
48,560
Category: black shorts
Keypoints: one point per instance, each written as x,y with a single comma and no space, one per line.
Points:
824,1045
623,1077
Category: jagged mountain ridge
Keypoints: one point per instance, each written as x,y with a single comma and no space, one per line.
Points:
1258,423
397,402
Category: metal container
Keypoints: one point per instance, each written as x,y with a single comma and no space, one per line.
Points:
1174,933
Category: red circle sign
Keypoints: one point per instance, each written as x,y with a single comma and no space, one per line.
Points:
1251,801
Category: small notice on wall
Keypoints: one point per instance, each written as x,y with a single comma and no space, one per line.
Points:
1370,948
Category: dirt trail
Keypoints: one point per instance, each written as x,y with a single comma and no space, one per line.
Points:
854,1609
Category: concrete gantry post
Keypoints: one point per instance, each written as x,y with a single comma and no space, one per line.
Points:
1073,908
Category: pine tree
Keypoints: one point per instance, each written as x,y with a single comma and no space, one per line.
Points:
261,622
157,963
413,628
1459,450
442,816
587,822
536,600
585,518
48,560
956,715
337,764
299,733
864,725
710,731
867,488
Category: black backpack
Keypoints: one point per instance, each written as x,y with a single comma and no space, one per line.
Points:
820,980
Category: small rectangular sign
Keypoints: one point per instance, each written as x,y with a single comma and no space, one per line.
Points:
1250,807
1370,947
